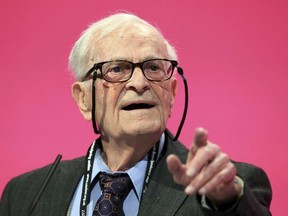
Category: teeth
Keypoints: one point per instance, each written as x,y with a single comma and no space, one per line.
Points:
138,106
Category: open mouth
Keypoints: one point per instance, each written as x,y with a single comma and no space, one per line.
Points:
137,106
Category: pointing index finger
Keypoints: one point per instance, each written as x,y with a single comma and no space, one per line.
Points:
200,137
200,140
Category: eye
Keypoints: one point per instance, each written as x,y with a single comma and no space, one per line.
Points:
116,69
153,68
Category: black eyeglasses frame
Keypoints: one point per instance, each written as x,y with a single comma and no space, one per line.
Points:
98,66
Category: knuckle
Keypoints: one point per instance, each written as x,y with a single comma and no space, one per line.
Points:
209,152
232,168
214,167
215,147
225,158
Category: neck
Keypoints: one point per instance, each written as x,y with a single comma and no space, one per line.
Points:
122,155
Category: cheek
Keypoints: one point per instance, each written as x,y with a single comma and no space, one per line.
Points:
168,103
101,96
107,95
166,99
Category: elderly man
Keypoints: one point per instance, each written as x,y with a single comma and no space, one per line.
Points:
125,85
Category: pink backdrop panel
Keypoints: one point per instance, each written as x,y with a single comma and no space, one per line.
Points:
234,55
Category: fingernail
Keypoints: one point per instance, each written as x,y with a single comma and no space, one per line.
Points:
189,190
191,172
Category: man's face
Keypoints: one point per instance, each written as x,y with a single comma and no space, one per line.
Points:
137,106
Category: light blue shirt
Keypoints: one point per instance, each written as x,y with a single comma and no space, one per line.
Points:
132,201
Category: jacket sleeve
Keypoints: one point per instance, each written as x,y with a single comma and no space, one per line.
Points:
257,194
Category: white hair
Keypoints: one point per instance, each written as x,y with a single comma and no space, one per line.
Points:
120,23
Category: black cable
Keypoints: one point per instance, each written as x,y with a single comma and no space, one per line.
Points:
180,72
96,131
43,186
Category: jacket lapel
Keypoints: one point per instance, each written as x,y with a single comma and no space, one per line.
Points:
163,192
159,197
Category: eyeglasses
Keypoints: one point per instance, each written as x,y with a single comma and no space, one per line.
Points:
118,71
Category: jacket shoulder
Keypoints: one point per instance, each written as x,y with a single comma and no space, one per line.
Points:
21,191
64,167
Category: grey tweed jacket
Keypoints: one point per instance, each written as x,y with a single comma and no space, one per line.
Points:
163,196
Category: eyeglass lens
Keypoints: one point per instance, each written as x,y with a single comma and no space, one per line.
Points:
154,70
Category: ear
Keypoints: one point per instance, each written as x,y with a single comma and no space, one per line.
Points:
82,96
174,85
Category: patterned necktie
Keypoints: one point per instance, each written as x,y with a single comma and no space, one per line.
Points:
115,188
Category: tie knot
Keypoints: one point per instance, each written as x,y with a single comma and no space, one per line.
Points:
115,188
119,184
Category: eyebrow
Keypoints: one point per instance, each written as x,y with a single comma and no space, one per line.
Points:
142,59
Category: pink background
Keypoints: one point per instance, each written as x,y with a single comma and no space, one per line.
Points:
234,54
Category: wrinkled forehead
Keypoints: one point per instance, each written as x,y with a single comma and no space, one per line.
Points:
135,42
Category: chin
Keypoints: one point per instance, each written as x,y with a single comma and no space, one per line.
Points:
144,129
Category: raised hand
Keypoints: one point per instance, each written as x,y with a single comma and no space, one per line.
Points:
207,171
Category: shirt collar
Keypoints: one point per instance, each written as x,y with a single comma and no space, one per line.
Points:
136,173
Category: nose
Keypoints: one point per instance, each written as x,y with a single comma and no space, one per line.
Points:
138,82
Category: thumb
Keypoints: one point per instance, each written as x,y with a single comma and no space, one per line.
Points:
177,169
